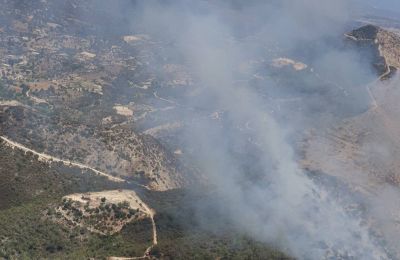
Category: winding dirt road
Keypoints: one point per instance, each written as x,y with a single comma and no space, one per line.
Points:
164,99
48,158
368,87
146,254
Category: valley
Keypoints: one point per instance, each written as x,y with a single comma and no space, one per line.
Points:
169,131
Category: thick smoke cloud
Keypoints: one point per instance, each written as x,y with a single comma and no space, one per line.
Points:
246,153
260,186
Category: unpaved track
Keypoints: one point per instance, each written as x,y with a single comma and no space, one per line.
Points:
153,223
387,72
146,254
374,103
375,82
50,158
47,158
164,99
36,99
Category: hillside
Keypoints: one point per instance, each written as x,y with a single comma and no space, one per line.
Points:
29,190
33,192
362,151
72,82
198,130
385,43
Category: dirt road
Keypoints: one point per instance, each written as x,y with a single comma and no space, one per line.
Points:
48,158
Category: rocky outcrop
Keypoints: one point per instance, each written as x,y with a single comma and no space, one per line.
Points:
384,44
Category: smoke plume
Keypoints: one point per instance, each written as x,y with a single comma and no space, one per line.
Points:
246,153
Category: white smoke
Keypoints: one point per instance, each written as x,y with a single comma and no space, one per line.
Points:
281,204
